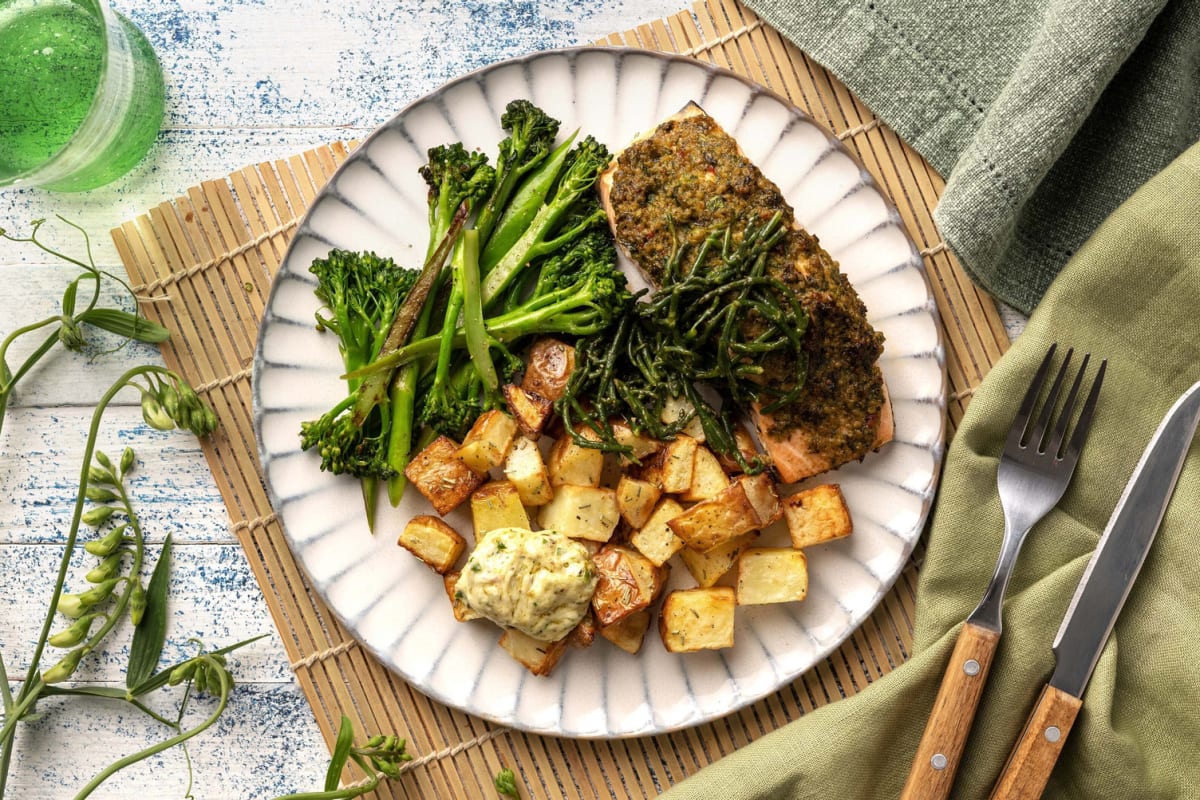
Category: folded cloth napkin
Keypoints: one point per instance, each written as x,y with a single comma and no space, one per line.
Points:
1131,294
1044,114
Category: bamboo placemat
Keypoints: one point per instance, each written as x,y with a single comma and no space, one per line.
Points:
214,251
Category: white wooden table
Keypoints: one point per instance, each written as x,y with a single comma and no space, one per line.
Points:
247,81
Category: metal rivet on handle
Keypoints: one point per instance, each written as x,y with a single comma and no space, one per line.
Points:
971,667
1053,734
938,761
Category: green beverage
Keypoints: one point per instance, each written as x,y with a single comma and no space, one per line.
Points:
81,94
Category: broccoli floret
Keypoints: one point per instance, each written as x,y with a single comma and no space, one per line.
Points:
530,140
455,176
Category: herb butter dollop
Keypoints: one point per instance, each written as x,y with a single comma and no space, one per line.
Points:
539,582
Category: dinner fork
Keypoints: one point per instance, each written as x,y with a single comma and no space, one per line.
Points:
1035,468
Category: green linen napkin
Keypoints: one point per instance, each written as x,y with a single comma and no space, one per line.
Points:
1131,294
1044,114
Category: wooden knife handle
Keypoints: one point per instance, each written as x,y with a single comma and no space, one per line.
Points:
940,751
1033,758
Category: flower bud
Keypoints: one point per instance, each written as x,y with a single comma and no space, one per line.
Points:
107,544
105,569
72,605
170,400
137,604
97,516
103,460
64,668
75,634
100,475
154,415
98,494
128,459
181,673
71,335
98,593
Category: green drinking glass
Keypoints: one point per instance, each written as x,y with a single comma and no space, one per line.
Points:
81,94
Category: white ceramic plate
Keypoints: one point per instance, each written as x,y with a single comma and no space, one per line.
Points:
395,606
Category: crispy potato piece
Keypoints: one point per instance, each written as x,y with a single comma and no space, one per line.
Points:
675,409
530,409
487,444
771,575
526,471
708,568
462,612
672,466
432,541
548,367
583,634
497,504
745,445
708,479
440,475
582,512
716,520
636,500
760,490
629,633
628,582
571,463
537,656
697,619
655,539
641,444
817,515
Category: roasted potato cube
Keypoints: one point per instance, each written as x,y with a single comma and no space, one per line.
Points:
641,444
628,582
817,515
745,446
707,568
538,657
582,512
462,612
697,619
708,479
636,499
674,464
487,444
529,409
583,634
526,471
675,409
497,504
574,464
440,475
655,539
716,520
548,367
760,489
771,575
432,541
629,632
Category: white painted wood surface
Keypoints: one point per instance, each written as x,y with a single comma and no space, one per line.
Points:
247,81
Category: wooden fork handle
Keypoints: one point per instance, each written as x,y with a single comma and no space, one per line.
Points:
940,751
1033,758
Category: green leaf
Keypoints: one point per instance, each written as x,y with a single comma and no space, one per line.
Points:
149,636
341,752
68,304
160,678
122,323
111,692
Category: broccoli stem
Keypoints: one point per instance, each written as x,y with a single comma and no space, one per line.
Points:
474,328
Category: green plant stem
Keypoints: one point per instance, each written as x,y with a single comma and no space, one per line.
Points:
31,688
166,744
346,791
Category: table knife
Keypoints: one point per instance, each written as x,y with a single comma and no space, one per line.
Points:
1098,600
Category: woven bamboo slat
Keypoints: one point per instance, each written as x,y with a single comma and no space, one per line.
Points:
214,251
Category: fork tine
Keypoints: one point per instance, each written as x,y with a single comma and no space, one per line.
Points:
1060,428
1020,423
1037,436
1085,417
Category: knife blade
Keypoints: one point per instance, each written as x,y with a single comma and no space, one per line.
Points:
1098,600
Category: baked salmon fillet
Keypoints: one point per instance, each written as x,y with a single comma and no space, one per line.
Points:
688,177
